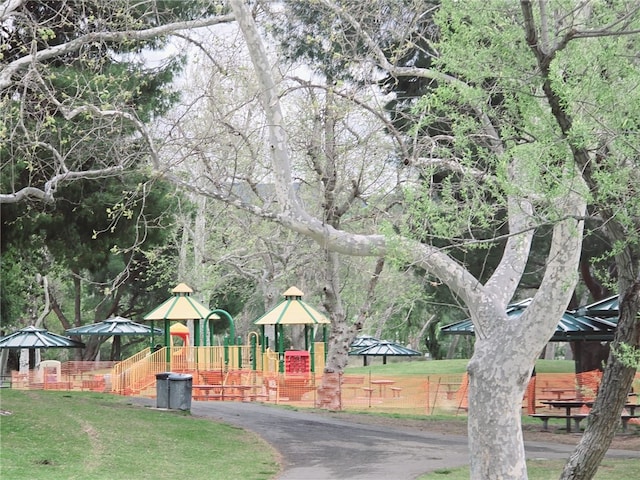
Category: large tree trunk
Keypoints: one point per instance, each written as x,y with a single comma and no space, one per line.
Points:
497,381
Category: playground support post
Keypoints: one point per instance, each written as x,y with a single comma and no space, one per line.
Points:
167,341
280,347
252,342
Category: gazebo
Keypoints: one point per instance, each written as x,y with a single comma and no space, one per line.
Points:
32,338
115,327
363,341
593,323
384,349
293,311
585,323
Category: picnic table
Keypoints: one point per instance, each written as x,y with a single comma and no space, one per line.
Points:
569,405
382,385
224,392
561,392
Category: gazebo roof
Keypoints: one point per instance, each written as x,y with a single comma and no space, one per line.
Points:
606,308
292,311
363,341
384,348
580,324
114,326
179,307
33,337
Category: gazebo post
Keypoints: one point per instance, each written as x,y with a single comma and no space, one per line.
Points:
325,340
281,348
252,343
167,343
225,343
196,333
196,341
312,353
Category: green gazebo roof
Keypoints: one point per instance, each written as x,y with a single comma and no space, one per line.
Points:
584,323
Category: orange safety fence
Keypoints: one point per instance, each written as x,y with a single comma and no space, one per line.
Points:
409,394
73,375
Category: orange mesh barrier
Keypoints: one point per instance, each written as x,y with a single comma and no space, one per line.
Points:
74,375
408,394
587,384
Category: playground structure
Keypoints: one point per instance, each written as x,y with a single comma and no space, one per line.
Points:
230,371
215,367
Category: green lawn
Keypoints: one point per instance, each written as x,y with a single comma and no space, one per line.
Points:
441,367
617,469
80,435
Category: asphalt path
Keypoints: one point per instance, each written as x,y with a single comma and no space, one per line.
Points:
321,447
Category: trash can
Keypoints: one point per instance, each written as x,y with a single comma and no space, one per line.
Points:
180,386
162,390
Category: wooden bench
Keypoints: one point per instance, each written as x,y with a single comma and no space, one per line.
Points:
545,417
577,418
625,419
225,392
395,391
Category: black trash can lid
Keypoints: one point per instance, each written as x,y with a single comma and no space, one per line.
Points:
163,375
180,377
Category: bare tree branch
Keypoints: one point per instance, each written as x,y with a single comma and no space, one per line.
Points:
13,68
8,7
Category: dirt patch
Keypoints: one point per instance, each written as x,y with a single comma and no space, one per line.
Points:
629,440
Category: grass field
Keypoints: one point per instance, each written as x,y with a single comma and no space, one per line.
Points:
79,435
442,367
619,469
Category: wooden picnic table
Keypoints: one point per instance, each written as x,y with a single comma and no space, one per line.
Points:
560,392
224,391
382,385
569,405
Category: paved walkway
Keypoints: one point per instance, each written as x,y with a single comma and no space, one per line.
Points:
319,447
